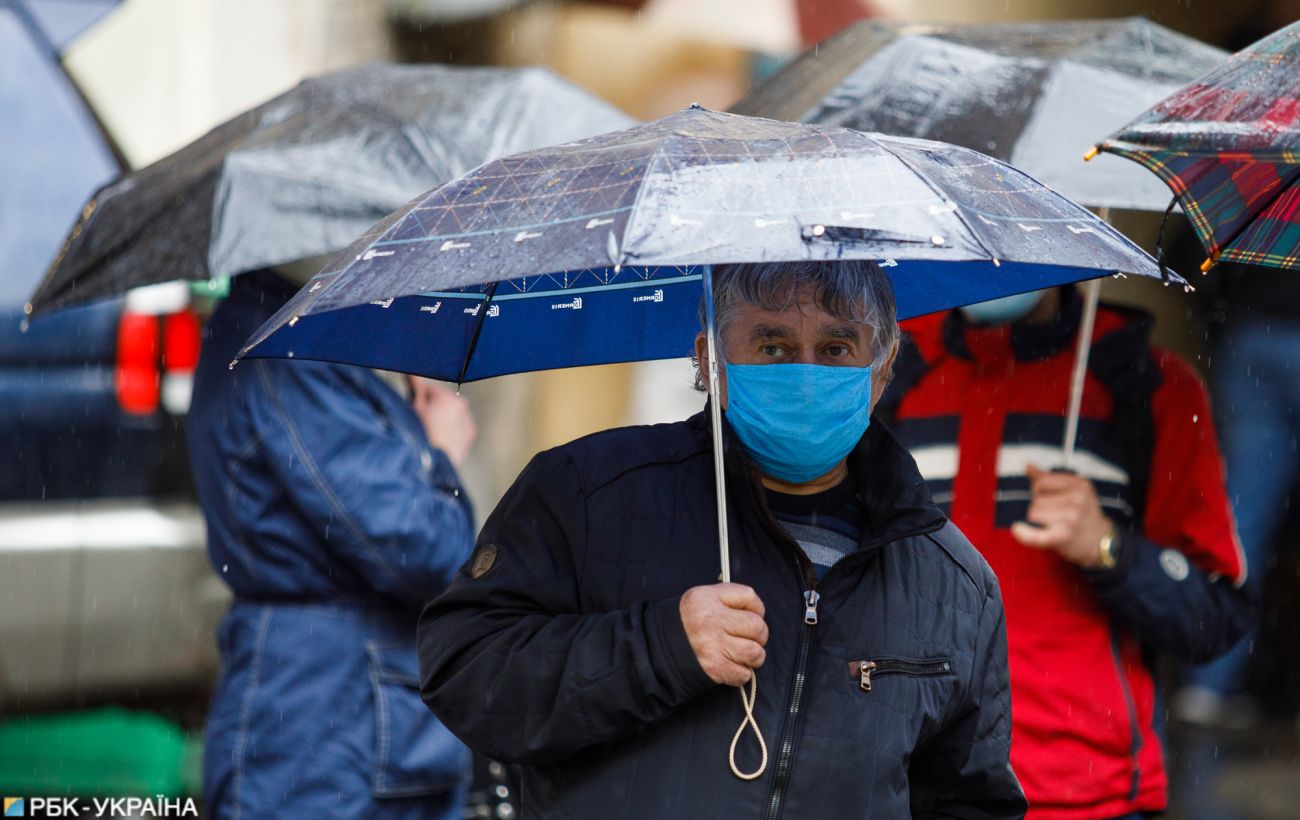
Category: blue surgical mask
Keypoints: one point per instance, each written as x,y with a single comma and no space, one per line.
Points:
798,420
1002,311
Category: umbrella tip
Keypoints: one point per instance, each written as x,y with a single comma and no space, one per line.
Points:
1090,153
1208,263
233,362
695,107
27,309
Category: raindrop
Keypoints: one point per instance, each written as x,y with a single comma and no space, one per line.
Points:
937,240
225,568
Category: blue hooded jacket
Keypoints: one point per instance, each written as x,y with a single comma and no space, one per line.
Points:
333,520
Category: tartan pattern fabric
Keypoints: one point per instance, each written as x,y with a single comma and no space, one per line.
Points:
1228,147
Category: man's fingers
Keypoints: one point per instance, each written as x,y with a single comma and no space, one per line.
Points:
739,596
745,624
746,653
1031,536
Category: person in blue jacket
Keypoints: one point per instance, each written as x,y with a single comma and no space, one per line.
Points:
334,513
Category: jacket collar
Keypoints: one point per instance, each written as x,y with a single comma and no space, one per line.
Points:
895,496
1121,355
1003,345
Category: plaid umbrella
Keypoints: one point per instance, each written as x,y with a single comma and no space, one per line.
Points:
1228,146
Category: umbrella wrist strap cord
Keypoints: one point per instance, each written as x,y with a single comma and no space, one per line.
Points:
749,699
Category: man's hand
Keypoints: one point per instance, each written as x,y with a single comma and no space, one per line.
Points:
1070,518
447,420
725,625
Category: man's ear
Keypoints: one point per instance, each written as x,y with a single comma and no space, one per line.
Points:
702,356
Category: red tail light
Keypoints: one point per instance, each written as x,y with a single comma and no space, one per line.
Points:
181,341
180,357
137,380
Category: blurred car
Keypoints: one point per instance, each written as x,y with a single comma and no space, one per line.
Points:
105,587
104,580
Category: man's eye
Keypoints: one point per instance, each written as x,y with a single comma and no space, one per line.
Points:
774,351
838,351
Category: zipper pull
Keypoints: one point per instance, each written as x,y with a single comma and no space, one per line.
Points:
810,599
864,674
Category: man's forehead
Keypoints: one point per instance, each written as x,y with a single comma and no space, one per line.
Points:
835,328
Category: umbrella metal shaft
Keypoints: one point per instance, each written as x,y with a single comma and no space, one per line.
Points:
715,406
1092,294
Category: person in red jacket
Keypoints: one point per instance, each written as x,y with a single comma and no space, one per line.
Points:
1132,554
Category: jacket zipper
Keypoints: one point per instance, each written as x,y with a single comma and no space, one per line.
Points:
785,751
862,670
1135,745
811,599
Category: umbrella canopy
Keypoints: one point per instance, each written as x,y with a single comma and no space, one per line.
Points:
1027,93
52,151
588,252
303,174
1228,146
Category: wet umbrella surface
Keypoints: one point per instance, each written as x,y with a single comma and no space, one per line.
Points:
1228,145
1032,94
305,173
588,253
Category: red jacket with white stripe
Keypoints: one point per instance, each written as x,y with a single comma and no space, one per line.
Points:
983,403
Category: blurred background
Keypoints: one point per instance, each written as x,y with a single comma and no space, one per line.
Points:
107,603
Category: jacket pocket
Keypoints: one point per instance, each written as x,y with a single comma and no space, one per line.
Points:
415,755
866,670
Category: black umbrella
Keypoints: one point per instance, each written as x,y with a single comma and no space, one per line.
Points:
1036,95
303,174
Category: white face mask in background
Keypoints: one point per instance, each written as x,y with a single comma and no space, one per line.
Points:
1002,311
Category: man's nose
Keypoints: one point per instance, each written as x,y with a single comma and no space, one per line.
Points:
806,356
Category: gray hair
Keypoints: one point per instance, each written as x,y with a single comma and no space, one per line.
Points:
856,290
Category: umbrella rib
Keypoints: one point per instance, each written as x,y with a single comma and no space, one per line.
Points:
636,203
478,331
956,211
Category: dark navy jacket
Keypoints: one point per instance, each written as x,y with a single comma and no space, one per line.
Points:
333,521
560,645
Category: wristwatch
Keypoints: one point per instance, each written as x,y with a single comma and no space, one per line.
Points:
1109,549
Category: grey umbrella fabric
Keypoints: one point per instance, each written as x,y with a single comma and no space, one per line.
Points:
587,252
303,174
1036,95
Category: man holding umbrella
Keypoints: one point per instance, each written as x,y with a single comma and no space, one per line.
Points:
587,638
1131,553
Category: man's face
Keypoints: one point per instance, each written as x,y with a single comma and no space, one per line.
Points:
803,333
